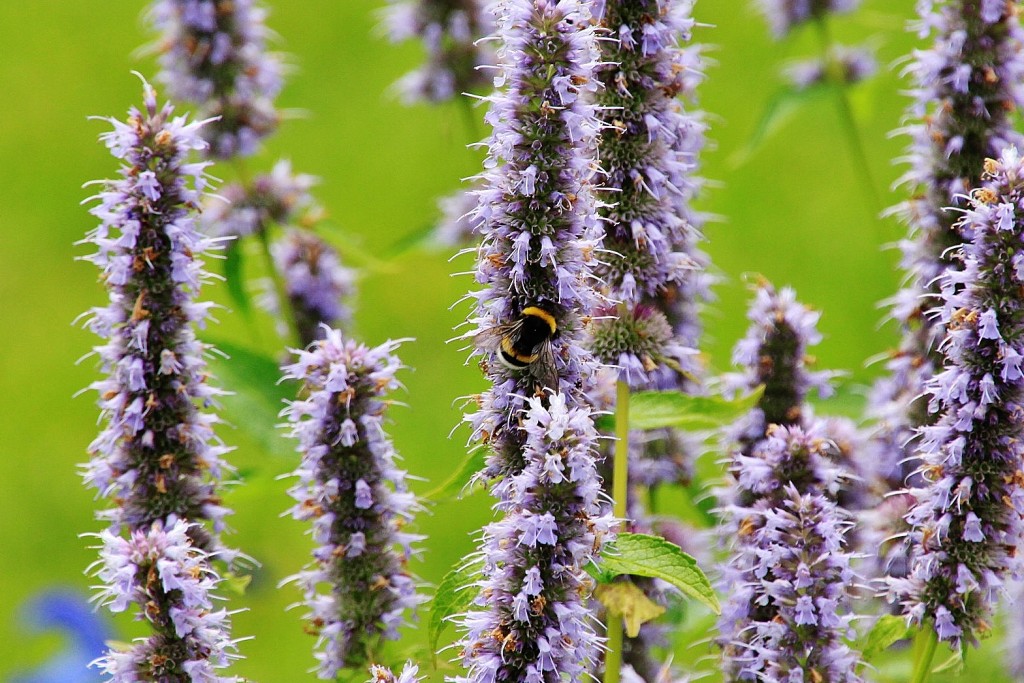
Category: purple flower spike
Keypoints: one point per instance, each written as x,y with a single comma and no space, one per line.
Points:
356,498
317,283
852,64
213,54
966,523
536,213
532,621
450,31
157,455
788,578
784,15
170,579
773,353
280,197
649,149
965,88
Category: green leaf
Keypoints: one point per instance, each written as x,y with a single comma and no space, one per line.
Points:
257,395
657,409
461,478
889,629
644,555
236,584
778,110
453,595
234,278
627,600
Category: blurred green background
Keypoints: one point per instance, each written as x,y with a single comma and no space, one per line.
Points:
792,211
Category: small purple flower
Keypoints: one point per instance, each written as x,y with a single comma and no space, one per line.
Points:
317,283
784,15
280,197
966,523
789,576
382,674
850,64
213,54
531,621
965,87
157,454
774,354
356,498
451,31
160,570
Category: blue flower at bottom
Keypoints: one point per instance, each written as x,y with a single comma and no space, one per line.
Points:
69,612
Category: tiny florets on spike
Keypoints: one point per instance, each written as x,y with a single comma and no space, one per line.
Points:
451,31
774,354
847,65
157,454
280,197
966,523
316,282
784,15
213,54
159,569
157,457
382,674
965,87
533,623
535,209
356,498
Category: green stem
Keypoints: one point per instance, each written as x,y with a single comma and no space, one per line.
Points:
620,490
853,137
284,301
928,640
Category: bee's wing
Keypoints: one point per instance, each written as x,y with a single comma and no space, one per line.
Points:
490,339
543,369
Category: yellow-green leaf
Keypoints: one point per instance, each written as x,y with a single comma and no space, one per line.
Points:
625,599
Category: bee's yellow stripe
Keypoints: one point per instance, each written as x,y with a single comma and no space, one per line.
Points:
511,354
543,315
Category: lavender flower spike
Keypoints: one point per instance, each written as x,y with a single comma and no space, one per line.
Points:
157,456
534,623
530,622
536,211
317,283
966,87
784,15
213,54
649,148
966,523
171,580
356,498
451,31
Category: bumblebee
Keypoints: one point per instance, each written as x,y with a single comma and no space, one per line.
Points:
525,344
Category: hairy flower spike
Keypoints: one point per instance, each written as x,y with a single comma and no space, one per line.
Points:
784,15
649,149
356,498
280,197
774,354
159,569
157,457
382,674
450,31
966,524
965,88
316,281
530,622
213,54
850,64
